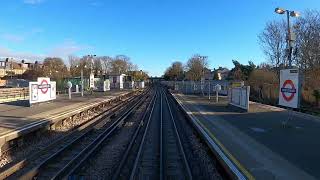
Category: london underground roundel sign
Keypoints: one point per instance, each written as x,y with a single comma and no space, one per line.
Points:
289,88
44,86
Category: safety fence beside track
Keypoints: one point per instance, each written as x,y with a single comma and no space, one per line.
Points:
10,94
197,87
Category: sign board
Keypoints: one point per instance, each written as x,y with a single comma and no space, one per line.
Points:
237,84
91,79
53,93
69,84
77,88
239,97
289,93
218,87
42,90
141,84
106,85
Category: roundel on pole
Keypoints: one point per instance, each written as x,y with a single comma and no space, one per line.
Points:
289,88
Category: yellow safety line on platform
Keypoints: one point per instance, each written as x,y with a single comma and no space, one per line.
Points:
224,149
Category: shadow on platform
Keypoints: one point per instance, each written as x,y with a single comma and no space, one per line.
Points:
22,103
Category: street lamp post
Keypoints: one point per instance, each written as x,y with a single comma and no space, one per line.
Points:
81,82
11,67
91,56
290,38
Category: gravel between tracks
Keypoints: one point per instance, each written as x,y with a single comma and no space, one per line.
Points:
202,163
103,164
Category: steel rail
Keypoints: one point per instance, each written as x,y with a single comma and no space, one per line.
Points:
161,138
185,161
83,156
141,145
13,167
35,170
134,138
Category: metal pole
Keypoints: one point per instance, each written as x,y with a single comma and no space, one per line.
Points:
289,39
69,92
11,68
209,90
82,82
217,95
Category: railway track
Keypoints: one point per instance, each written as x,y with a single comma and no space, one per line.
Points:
103,163
56,159
150,138
160,154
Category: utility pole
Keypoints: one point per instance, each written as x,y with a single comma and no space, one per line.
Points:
82,82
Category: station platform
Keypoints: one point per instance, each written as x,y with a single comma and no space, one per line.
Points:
17,119
256,142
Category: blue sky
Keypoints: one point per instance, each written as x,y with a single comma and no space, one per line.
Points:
154,33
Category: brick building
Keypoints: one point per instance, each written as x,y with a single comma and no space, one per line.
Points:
13,67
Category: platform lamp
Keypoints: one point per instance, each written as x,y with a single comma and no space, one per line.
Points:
290,37
91,56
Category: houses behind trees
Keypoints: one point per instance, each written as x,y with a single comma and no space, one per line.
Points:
55,68
240,71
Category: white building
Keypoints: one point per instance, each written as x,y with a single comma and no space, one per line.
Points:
116,81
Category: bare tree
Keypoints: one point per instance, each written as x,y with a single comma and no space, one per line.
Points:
195,67
120,64
55,68
97,66
175,71
273,42
106,64
138,75
308,40
74,63
132,67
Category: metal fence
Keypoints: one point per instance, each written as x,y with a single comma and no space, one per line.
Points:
12,94
198,87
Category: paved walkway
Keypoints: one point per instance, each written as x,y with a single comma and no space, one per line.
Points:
15,115
257,141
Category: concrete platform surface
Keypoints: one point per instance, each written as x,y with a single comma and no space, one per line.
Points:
16,115
257,141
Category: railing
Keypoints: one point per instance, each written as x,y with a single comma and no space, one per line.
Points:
7,94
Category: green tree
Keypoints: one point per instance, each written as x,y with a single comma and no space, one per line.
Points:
240,71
